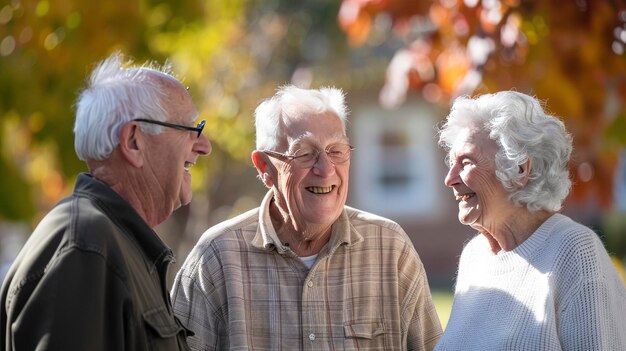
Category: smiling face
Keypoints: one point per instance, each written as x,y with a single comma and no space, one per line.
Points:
173,151
482,199
312,198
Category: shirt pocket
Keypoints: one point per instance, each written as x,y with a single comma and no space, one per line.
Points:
364,333
163,329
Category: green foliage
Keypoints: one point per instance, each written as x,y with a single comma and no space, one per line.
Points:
613,228
616,131
16,194
232,54
48,48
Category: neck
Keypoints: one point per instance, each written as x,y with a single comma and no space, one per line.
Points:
303,240
514,229
129,187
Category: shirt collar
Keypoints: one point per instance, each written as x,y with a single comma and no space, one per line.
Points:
266,238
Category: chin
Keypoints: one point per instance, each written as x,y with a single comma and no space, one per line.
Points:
185,202
467,220
185,197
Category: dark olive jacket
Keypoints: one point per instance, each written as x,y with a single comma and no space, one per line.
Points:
92,276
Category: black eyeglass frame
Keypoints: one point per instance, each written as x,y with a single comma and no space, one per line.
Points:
197,128
293,157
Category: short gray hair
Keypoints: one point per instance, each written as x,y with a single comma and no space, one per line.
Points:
116,93
522,130
290,102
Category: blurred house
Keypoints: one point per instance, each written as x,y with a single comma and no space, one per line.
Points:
397,171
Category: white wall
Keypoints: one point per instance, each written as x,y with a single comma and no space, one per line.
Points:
396,168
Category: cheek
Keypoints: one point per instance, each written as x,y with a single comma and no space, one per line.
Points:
287,179
289,186
488,183
473,178
344,176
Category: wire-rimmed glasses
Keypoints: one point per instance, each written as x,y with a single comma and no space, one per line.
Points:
308,156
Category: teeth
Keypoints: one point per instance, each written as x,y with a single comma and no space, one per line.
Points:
320,189
188,165
464,197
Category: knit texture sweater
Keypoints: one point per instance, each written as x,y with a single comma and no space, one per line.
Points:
558,290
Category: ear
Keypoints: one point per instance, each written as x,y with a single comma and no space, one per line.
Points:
264,167
524,172
131,144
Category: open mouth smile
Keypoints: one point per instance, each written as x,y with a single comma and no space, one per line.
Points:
464,197
188,165
320,189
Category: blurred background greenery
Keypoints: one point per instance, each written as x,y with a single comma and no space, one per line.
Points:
234,53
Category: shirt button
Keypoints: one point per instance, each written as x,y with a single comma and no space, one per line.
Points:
311,336
310,285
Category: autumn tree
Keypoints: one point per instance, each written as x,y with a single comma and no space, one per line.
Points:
234,53
570,54
47,48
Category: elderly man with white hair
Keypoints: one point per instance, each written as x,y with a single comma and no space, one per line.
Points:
303,271
92,276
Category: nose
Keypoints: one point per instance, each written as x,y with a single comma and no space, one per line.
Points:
202,146
452,178
323,166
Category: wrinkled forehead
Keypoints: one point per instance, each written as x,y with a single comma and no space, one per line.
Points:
176,100
310,139
471,139
318,129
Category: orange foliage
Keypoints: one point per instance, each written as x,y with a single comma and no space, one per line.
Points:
356,16
452,65
570,54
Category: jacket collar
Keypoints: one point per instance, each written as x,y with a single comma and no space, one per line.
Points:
121,212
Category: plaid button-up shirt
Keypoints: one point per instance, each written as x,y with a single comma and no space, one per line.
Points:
242,289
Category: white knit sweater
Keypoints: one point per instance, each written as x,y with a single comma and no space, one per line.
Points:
558,290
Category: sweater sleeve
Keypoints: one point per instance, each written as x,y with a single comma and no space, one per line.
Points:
593,309
589,320
77,305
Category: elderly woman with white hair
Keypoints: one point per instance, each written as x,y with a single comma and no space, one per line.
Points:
532,278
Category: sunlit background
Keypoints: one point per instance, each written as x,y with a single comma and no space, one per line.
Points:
400,63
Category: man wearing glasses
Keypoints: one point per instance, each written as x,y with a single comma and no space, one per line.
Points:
92,274
303,271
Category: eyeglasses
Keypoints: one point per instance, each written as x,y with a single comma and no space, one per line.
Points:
308,156
197,128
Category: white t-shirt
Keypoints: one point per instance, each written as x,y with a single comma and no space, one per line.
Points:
309,261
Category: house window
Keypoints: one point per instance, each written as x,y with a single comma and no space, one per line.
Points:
396,167
394,173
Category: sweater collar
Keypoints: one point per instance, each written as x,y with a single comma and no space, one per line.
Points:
504,262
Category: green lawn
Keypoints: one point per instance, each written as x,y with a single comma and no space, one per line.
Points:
443,304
